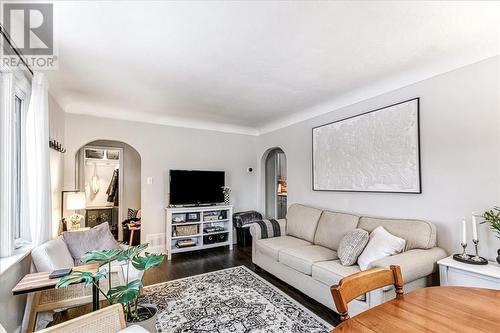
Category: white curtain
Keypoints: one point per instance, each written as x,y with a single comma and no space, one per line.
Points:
38,165
6,163
37,172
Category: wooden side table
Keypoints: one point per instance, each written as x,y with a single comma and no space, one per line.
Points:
38,282
455,273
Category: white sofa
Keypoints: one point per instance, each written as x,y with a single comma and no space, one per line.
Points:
305,255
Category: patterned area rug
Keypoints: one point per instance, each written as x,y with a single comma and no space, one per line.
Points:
231,300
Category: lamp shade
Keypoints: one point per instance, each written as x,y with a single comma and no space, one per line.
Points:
75,200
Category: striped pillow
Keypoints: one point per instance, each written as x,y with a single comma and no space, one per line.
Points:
352,245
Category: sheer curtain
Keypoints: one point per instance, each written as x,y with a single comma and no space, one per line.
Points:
6,162
37,156
37,173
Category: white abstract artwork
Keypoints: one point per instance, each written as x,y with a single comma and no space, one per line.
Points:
377,151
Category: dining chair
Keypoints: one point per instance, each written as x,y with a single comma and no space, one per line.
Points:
357,284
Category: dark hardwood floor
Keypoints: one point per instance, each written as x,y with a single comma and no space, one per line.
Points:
198,262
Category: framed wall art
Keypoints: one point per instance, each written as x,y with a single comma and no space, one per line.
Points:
377,151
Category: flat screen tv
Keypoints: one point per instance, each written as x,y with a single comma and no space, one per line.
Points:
189,187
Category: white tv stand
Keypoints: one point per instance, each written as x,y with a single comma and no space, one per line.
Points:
224,219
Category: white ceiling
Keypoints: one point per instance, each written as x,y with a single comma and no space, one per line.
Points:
251,67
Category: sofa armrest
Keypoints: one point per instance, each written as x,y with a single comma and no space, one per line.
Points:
414,264
255,229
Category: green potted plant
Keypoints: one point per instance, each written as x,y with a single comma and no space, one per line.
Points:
127,294
493,218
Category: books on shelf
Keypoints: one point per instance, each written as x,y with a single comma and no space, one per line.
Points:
185,243
213,229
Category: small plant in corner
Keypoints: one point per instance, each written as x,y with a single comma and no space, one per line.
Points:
127,294
493,218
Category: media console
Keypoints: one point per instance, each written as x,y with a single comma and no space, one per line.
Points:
198,228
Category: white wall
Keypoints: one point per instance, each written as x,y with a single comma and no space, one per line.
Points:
163,148
460,146
56,131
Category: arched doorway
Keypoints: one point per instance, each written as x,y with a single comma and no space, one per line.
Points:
109,172
275,170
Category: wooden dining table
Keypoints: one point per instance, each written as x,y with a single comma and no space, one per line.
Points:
434,309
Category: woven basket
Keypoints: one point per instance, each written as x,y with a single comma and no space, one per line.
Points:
185,230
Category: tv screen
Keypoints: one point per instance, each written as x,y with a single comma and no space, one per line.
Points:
188,187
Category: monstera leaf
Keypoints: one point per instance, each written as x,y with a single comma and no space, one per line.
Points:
102,255
126,293
132,252
149,260
76,277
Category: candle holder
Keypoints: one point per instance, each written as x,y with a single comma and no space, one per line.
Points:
464,255
476,258
470,259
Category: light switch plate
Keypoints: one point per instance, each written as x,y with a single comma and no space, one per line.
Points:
149,180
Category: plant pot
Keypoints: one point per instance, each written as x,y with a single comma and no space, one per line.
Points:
149,323
498,258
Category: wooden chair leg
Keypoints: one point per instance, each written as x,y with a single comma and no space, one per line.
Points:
33,313
131,237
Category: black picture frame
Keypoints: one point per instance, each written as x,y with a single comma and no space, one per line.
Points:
419,191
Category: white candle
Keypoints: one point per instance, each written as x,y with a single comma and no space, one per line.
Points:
474,227
464,232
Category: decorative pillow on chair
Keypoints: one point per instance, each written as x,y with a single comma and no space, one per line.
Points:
352,245
81,242
132,213
381,244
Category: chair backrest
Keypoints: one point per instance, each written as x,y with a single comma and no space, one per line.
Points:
360,283
111,319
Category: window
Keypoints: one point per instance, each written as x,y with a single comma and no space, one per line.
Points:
14,230
18,130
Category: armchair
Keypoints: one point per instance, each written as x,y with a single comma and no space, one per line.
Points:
53,255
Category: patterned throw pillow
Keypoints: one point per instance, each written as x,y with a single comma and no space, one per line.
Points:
352,245
132,213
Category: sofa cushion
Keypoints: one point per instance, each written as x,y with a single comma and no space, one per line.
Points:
81,242
418,234
331,272
352,245
272,246
332,227
52,255
302,258
302,221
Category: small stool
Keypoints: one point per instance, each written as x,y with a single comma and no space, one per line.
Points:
241,221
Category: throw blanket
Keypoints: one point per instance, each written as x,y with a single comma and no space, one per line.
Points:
242,219
268,228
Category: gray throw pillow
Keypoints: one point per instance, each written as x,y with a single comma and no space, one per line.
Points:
352,245
81,242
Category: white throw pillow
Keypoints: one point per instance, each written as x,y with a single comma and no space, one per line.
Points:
381,244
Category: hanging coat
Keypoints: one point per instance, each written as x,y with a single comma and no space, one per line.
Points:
112,191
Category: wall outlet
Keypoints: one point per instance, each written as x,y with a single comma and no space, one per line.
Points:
149,180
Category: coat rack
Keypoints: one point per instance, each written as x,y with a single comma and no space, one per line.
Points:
57,146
